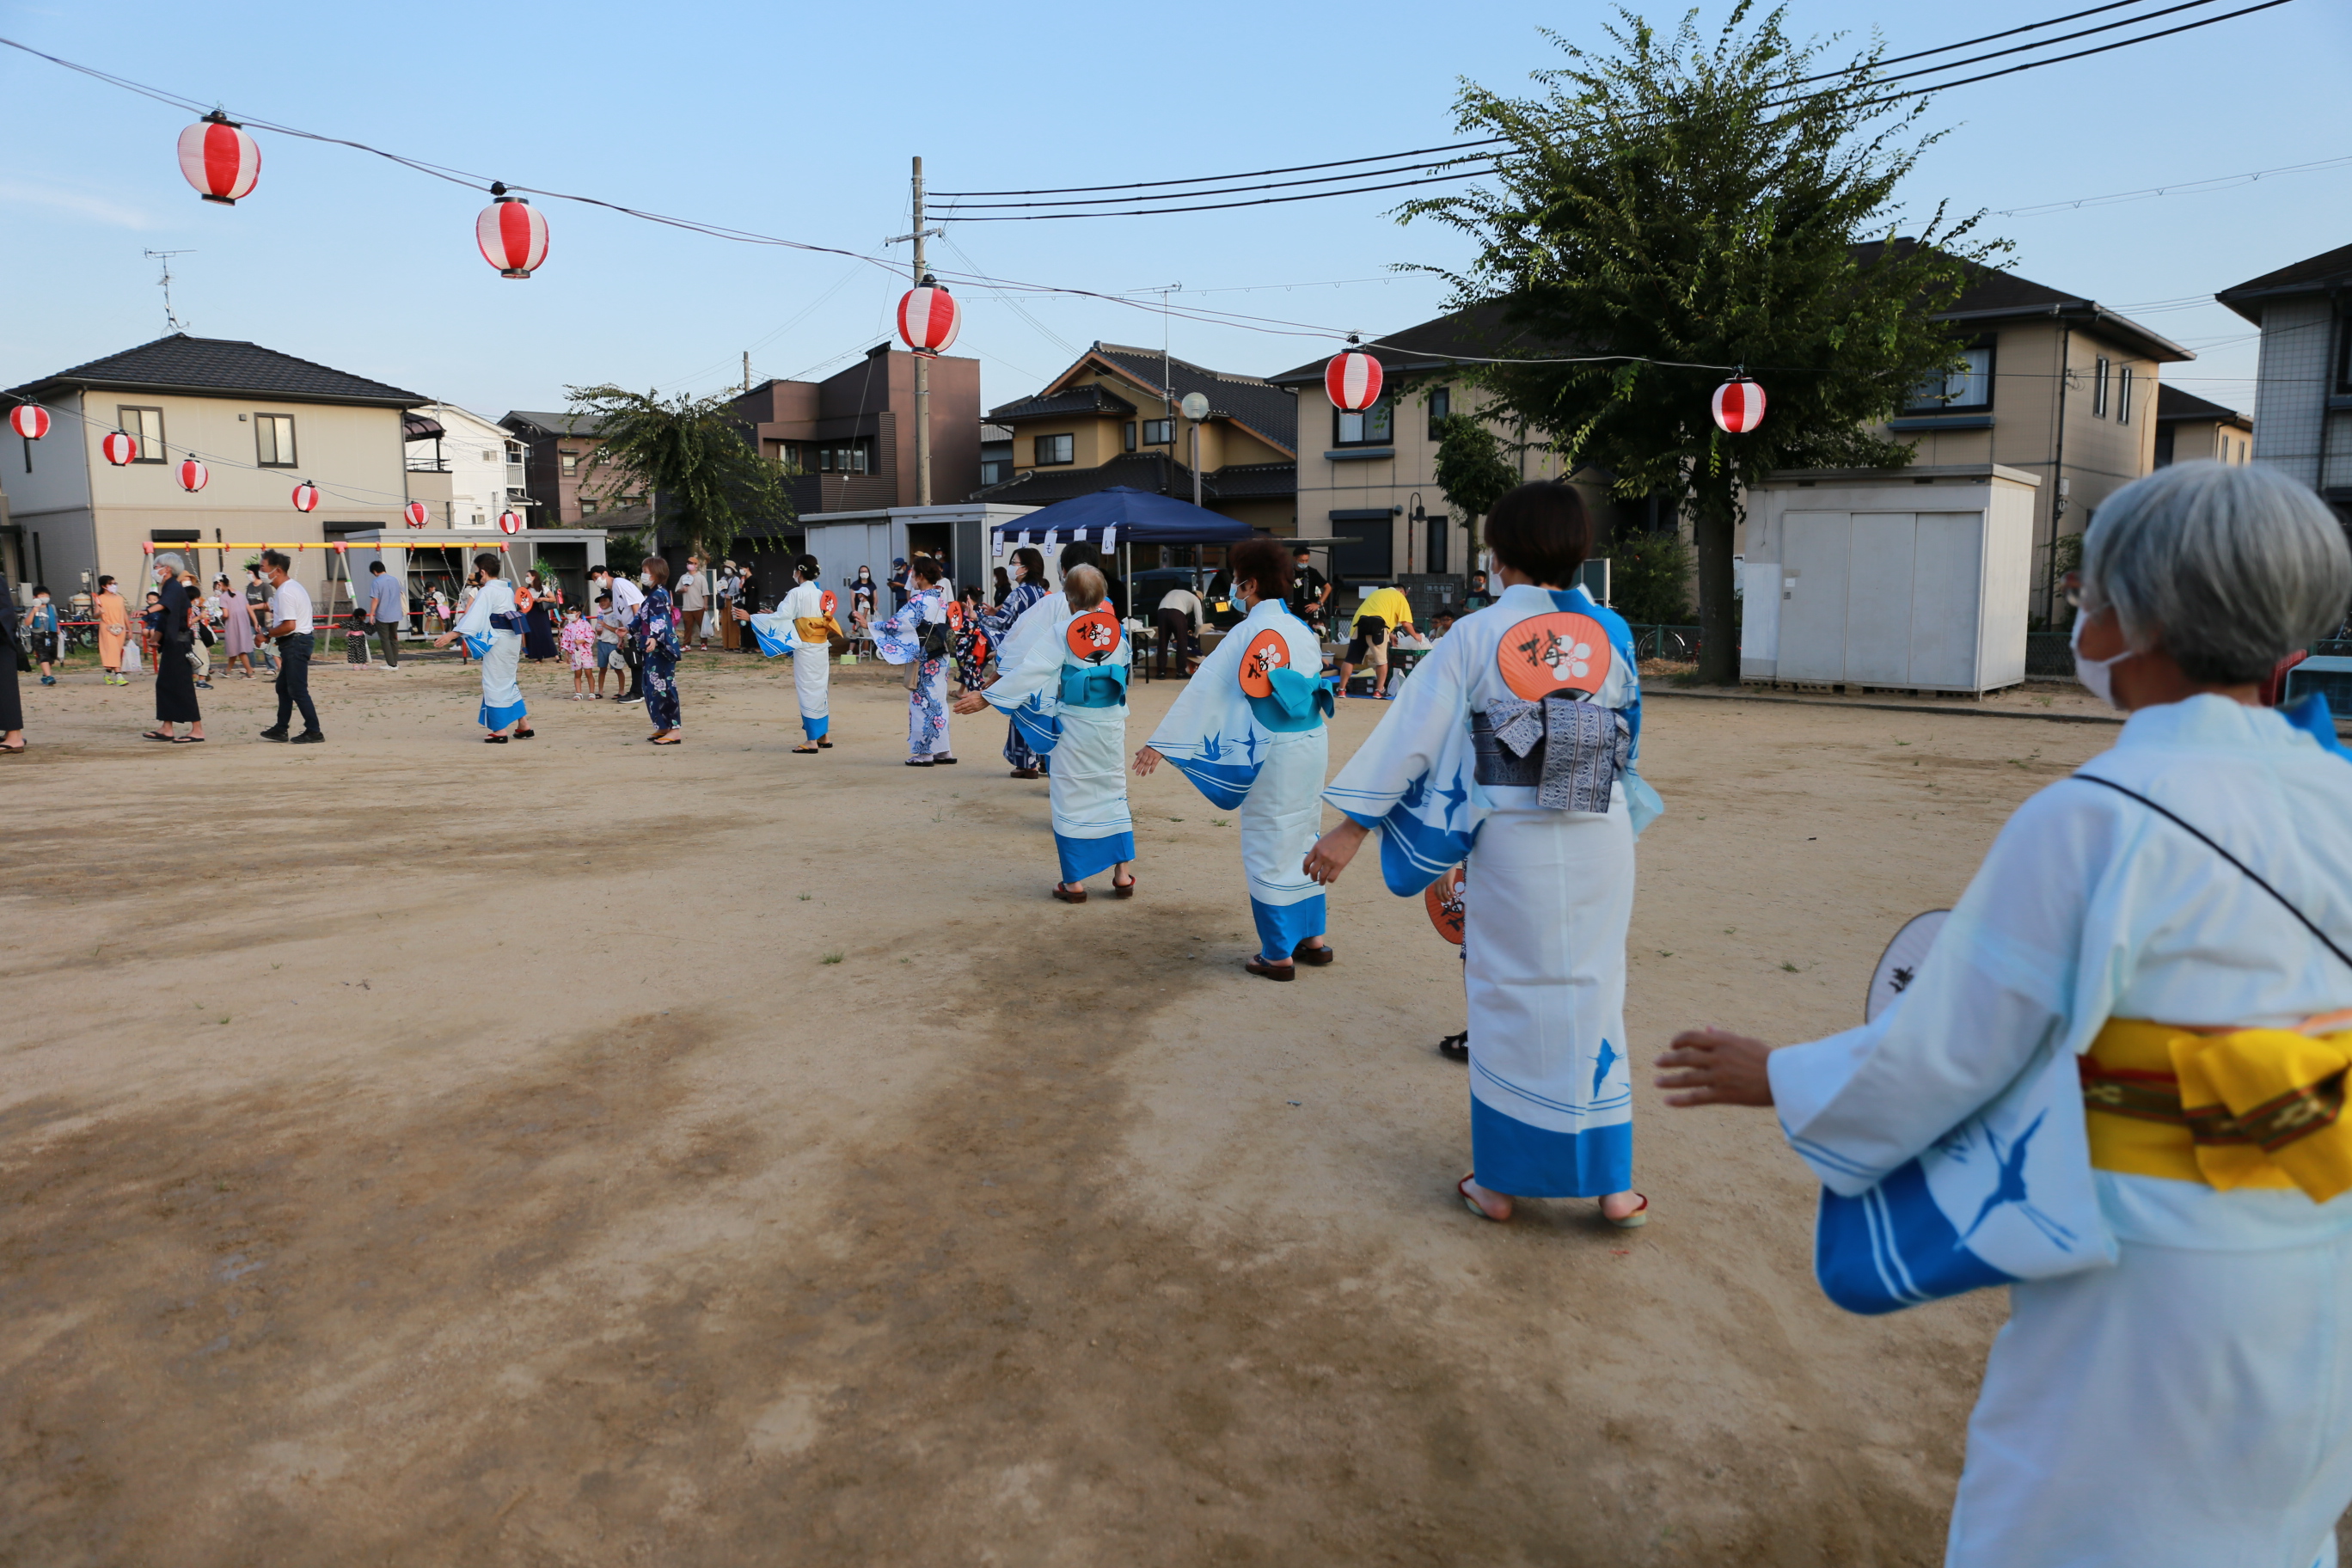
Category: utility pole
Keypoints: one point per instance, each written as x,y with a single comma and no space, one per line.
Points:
746,373
922,366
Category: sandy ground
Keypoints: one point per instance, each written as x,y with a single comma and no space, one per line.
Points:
419,1152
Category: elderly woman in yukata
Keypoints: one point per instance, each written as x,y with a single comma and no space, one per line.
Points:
2115,1082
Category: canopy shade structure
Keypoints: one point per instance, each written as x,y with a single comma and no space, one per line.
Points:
1120,515
419,427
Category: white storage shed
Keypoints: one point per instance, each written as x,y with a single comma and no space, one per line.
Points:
1910,579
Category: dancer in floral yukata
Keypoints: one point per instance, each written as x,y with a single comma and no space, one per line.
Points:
654,631
1027,571
906,638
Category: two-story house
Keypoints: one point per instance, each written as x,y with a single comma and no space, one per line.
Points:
2190,429
261,422
560,481
2303,394
465,468
1116,417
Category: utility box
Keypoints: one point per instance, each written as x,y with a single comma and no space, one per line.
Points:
1907,579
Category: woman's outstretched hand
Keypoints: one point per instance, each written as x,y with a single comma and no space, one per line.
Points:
1145,761
1333,851
972,703
1715,1067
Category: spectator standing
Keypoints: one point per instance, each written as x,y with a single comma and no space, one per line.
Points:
12,633
538,607
898,584
732,580
1004,586
291,631
113,619
691,602
608,644
41,630
387,608
175,675
1311,591
201,615
237,626
626,597
1178,622
256,615
1479,596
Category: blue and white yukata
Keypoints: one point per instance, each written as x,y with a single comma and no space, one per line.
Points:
2184,1401
1514,744
1001,622
900,640
1068,696
655,631
1248,731
492,629
797,627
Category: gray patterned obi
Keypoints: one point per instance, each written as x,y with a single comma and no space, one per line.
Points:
1569,752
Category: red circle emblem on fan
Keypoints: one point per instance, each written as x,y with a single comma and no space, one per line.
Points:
1545,656
1443,901
1093,637
1267,652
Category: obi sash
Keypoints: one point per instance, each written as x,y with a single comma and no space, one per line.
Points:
502,621
1093,685
815,628
1569,752
2240,1107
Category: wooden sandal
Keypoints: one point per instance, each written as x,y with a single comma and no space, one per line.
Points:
1257,966
1068,895
1635,1221
1317,956
1122,890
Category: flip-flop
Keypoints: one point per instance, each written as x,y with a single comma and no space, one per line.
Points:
1455,1047
1257,966
1070,896
804,751
918,761
1317,956
1635,1221
1467,1177
187,740
494,740
155,735
825,745
524,734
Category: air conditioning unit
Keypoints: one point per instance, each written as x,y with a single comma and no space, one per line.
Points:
2328,675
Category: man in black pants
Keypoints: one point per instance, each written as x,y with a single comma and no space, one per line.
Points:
626,597
290,629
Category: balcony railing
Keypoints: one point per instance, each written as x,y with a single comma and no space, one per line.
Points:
428,465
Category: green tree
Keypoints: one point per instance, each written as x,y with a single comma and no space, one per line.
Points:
1472,470
1681,205
690,460
1649,577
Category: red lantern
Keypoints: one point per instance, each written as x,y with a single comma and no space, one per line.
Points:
1353,381
192,475
929,319
417,514
510,523
1739,406
119,448
305,496
219,159
29,420
512,236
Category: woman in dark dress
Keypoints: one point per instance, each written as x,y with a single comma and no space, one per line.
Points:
175,677
12,637
538,631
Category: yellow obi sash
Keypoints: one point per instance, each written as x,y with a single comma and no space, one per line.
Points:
816,628
2239,1108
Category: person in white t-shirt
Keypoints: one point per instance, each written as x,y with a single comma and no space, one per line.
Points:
626,597
290,629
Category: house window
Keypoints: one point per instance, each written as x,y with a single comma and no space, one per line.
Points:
1156,432
2123,395
1965,390
144,426
995,471
587,506
569,462
2099,388
273,440
517,451
488,455
1375,426
1441,404
844,457
1131,435
1051,449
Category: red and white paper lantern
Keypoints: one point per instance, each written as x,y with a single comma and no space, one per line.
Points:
417,514
29,420
219,159
119,448
510,523
929,319
305,496
512,235
192,475
1353,381
1739,406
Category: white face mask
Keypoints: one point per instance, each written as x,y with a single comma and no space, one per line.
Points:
1016,571
2097,675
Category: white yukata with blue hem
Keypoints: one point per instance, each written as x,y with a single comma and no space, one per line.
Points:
493,634
2188,1403
1067,698
780,632
1248,731
1536,695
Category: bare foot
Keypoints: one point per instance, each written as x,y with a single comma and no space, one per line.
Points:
1493,1205
1622,1205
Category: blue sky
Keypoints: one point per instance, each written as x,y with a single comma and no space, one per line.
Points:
798,120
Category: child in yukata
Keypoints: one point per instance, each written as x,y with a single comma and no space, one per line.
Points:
578,641
608,644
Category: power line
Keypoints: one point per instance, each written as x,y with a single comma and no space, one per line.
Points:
2179,188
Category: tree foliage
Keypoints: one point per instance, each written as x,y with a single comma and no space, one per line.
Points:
1471,468
701,474
1679,205
1649,579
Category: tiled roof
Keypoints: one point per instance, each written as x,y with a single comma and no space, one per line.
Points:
1248,400
1478,333
525,422
183,364
2171,403
1151,471
1992,294
1087,398
2310,275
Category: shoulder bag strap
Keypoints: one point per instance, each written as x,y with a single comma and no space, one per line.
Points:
2252,874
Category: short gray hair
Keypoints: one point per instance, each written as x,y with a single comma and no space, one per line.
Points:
2229,568
169,560
1085,587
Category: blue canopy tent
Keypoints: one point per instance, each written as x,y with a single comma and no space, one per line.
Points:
1122,515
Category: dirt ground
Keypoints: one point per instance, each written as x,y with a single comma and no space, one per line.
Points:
415,1152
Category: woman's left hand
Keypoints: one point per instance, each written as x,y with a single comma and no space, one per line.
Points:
971,704
1334,850
1715,1067
1145,761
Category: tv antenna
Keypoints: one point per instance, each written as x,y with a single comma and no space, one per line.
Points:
171,322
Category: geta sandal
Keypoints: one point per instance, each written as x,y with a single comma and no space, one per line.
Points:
1069,895
1123,890
1635,1221
1257,966
494,740
918,761
1317,956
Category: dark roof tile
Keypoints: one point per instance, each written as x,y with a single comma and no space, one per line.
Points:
527,422
2310,276
1089,398
1248,400
183,364
2171,403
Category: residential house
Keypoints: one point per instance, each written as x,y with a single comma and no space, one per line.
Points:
262,421
2189,429
2303,395
465,468
562,483
995,454
1115,417
2054,383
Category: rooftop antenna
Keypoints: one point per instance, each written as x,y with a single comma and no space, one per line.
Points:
172,323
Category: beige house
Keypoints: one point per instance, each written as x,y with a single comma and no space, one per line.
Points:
261,422
1116,417
2189,429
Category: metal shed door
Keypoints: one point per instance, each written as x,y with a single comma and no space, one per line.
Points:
1813,550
